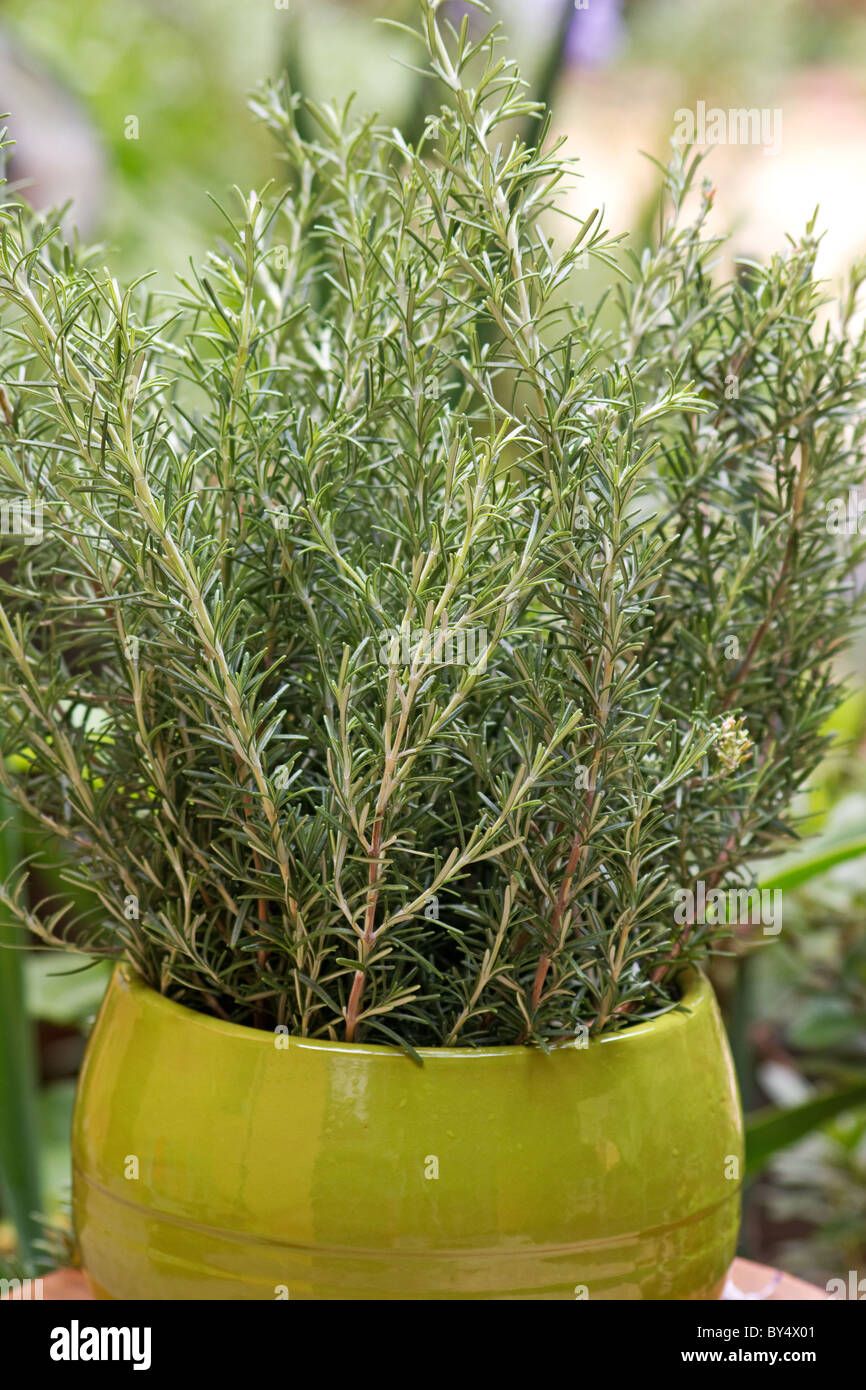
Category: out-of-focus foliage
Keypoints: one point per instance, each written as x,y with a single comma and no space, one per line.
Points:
19,1148
183,72
805,1017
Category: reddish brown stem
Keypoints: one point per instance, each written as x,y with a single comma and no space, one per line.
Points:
781,586
559,908
262,907
353,1008
564,894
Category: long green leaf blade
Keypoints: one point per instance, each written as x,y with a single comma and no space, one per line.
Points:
19,1143
774,1128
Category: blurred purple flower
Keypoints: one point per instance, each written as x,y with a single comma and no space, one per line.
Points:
596,32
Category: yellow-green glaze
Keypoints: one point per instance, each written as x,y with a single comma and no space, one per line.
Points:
304,1169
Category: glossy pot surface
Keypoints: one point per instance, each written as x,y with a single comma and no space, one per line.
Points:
215,1161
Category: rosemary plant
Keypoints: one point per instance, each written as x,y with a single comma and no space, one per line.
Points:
397,637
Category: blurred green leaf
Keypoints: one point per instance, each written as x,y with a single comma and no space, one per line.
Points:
792,870
19,1170
770,1130
825,1022
61,993
55,1124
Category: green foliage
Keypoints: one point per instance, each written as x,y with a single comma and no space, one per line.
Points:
19,1146
181,71
805,1002
777,1127
802,866
60,991
822,1181
400,640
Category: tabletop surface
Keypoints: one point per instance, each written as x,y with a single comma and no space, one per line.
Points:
746,1280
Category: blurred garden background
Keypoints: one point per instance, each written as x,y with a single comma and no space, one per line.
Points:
135,110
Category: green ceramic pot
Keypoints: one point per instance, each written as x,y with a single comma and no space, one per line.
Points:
218,1162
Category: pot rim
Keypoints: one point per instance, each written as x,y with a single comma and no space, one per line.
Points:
697,993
